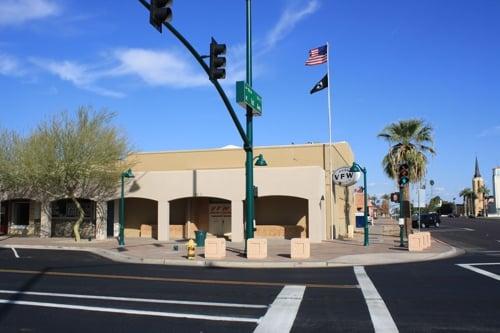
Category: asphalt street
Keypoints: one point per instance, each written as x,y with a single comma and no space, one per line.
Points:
60,291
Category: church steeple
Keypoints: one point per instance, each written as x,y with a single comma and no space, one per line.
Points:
477,174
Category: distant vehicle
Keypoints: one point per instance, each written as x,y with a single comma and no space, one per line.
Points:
453,215
426,220
471,216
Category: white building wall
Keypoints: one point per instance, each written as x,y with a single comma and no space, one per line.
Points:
229,184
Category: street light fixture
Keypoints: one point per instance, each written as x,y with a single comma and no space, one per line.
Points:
121,237
260,160
357,168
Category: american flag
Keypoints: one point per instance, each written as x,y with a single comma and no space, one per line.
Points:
317,56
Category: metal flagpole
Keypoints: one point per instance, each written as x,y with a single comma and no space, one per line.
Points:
330,174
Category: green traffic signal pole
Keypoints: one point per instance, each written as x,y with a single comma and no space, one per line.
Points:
246,137
250,208
401,226
202,63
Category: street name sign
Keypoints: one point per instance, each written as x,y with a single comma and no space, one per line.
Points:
246,96
345,177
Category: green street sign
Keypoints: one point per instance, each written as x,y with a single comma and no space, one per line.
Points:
246,96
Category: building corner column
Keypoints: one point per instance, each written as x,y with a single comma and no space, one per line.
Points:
237,221
163,220
45,220
101,220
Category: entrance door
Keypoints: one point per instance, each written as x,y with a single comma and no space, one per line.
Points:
219,218
21,213
4,224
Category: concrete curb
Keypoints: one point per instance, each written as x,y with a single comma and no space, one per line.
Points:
342,261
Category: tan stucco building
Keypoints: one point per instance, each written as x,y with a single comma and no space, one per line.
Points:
176,193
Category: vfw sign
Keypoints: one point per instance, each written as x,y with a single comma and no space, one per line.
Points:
344,177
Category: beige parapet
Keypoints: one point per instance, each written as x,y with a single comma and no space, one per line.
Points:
300,248
257,248
215,248
415,242
146,231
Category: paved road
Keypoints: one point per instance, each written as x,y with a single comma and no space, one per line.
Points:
58,291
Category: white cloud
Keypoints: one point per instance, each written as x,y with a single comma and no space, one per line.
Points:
20,11
80,75
492,131
158,68
288,20
9,66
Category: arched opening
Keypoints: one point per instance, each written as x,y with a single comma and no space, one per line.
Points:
281,217
20,217
209,214
141,218
64,214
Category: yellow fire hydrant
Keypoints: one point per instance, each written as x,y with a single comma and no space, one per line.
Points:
191,249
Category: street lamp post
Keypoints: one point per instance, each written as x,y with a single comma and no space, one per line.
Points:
121,237
357,168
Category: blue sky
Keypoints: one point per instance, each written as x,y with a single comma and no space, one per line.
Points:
390,60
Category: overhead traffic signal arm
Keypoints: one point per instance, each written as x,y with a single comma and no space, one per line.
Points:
246,141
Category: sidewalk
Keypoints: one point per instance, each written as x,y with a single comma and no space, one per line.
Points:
383,249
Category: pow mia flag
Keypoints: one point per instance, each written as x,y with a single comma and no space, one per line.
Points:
322,84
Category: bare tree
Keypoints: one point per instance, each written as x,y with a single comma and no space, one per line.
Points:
71,157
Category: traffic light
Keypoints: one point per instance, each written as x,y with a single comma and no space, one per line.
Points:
404,174
217,61
395,197
159,12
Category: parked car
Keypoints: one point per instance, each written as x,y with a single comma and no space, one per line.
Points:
426,220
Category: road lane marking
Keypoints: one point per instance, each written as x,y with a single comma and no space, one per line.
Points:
130,299
179,280
380,315
129,311
468,229
15,252
282,313
482,271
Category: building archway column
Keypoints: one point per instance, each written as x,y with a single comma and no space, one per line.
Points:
101,220
316,221
163,220
237,221
45,220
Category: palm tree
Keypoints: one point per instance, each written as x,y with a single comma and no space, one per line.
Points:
410,141
385,204
486,193
469,197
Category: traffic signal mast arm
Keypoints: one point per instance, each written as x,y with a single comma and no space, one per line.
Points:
202,63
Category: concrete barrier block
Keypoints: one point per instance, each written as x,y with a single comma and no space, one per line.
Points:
129,232
215,248
257,248
415,242
146,231
350,231
300,248
426,239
